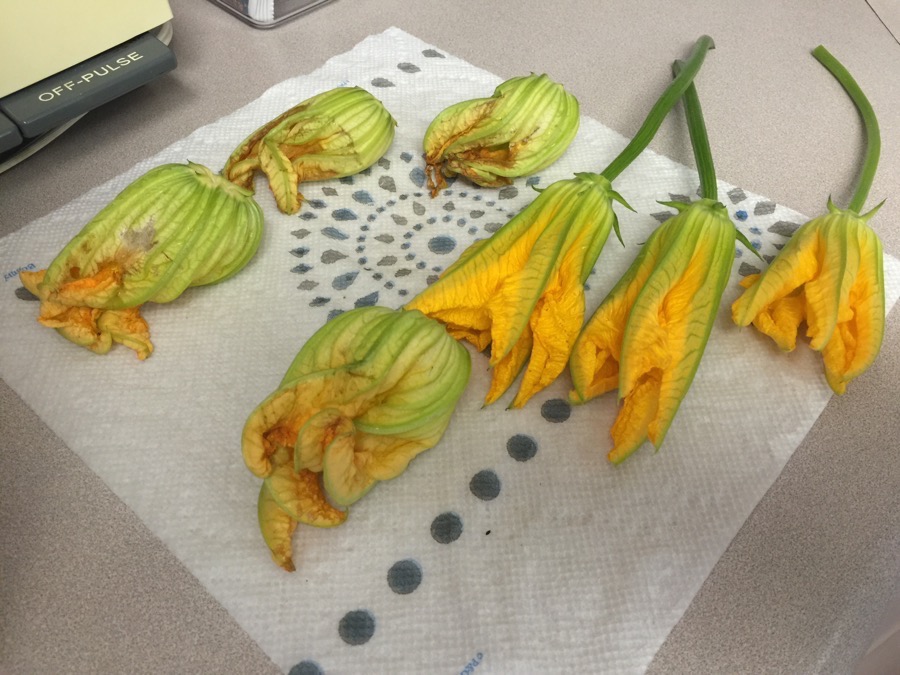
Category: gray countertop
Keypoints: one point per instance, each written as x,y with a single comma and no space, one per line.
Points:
86,587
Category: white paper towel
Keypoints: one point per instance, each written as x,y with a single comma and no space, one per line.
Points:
574,565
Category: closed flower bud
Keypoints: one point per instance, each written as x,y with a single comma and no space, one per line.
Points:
524,127
337,133
178,225
368,392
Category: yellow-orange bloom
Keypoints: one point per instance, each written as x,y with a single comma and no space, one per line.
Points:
521,291
830,276
648,335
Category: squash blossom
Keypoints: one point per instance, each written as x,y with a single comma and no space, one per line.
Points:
648,335
176,226
337,133
368,392
829,275
525,126
522,290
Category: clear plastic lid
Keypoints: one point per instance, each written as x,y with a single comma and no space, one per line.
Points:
267,13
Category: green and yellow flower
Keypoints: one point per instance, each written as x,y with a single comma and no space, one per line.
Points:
366,394
829,275
524,127
176,226
649,334
337,133
521,291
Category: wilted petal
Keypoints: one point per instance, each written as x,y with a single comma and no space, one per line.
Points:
174,227
277,529
339,132
367,392
300,496
127,327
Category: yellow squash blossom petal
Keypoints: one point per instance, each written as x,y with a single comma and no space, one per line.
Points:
594,363
649,334
830,276
277,529
522,290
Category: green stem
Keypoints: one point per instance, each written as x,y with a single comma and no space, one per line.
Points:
659,110
873,135
699,139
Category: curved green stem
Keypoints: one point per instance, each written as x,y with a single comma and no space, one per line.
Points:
873,134
699,138
660,109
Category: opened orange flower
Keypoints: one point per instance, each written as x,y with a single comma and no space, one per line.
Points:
829,275
522,290
648,336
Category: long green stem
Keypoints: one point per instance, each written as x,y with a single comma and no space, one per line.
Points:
699,138
660,109
873,134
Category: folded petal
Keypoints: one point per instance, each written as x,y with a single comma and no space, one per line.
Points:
300,496
796,264
669,322
830,276
277,529
522,290
857,339
594,363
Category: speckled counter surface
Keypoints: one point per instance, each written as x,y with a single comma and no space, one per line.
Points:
86,587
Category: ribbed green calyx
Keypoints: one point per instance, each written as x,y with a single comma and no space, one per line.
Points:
178,225
337,133
526,125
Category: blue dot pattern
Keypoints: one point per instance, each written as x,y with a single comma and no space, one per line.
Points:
306,668
446,528
357,627
390,235
404,576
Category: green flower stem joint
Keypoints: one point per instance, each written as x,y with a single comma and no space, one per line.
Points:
525,126
648,335
522,290
337,133
366,394
830,274
176,226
